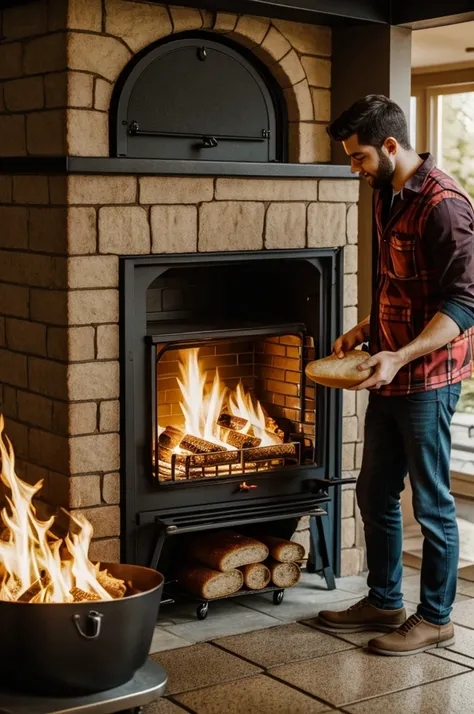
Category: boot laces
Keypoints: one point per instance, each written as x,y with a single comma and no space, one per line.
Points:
409,624
358,605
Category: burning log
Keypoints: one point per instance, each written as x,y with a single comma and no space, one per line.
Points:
266,453
237,439
198,446
34,589
272,427
232,422
171,437
190,460
81,595
115,587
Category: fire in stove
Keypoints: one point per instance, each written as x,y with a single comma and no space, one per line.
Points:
35,565
225,431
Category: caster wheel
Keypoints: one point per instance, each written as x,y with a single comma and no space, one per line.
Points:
278,596
202,611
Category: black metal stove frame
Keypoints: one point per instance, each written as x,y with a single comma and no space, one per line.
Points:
151,513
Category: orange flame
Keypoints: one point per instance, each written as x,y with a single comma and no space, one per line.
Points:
30,553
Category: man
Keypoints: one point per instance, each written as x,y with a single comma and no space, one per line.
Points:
420,341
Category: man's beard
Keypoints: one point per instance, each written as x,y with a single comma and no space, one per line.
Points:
385,171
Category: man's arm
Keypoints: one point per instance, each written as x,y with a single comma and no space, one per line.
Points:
449,241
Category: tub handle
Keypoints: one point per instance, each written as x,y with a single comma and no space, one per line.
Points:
95,618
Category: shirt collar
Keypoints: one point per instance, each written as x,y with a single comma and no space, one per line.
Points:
415,182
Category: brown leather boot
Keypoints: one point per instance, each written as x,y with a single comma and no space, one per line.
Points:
414,636
363,616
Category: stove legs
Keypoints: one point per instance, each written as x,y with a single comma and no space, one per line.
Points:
319,541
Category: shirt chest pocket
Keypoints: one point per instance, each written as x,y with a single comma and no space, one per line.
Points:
401,256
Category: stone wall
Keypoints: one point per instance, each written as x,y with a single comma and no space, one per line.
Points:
62,236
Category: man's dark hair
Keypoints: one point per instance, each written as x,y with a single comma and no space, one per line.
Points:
373,119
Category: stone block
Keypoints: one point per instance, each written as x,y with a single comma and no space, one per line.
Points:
49,306
35,410
305,38
107,342
359,454
303,538
95,190
273,47
339,190
18,435
173,229
123,230
289,70
48,450
26,336
99,54
58,186
137,24
230,225
351,561
32,269
318,71
299,102
80,91
352,228
109,416
6,189
87,133
207,19
76,344
88,307
45,54
111,488
175,189
100,452
46,133
347,532
236,189
309,143
285,225
47,377
185,18
93,380
56,89
326,225
348,456
2,332
78,419
20,22
10,61
225,22
350,320
14,300
48,229
349,403
13,126
106,550
105,520
14,223
321,104
349,430
350,259
102,94
81,231
251,30
24,94
347,507
13,369
84,491
30,189
350,290
85,15
10,402
93,271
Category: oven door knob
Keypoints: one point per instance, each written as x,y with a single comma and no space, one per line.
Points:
244,487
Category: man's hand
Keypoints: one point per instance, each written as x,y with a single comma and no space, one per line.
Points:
351,339
386,364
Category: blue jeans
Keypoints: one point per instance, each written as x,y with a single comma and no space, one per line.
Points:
411,435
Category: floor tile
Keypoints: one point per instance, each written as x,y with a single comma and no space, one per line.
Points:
464,641
163,706
449,696
223,619
446,653
466,587
359,639
463,613
258,695
201,666
355,675
281,645
163,640
411,590
184,613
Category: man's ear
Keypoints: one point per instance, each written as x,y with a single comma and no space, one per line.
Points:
391,145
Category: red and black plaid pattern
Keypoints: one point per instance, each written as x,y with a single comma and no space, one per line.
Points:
407,294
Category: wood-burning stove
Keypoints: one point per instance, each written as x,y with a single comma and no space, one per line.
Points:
258,317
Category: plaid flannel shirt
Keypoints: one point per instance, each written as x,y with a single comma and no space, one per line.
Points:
424,266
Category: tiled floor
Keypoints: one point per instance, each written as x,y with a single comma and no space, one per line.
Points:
252,657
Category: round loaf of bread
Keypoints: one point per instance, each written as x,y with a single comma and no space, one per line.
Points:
208,583
339,373
284,575
256,576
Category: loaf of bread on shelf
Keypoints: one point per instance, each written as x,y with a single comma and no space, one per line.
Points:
284,551
226,550
338,372
208,583
284,575
256,576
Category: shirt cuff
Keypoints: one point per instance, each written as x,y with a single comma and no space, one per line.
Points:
463,316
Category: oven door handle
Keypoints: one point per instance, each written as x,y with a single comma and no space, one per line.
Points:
334,481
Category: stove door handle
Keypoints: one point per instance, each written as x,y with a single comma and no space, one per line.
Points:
95,619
